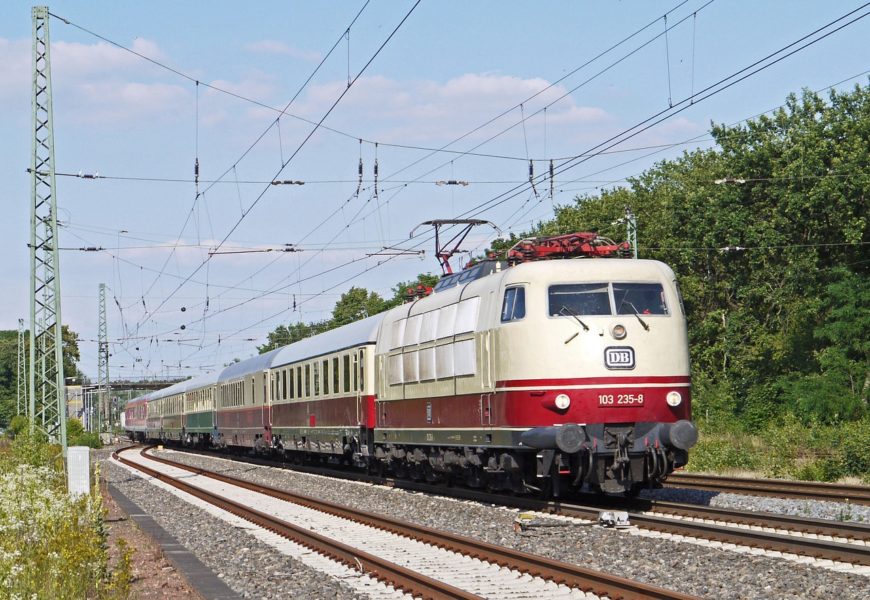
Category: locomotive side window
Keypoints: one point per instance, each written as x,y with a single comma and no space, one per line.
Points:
579,299
639,298
514,306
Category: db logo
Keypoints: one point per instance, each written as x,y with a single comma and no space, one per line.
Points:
619,357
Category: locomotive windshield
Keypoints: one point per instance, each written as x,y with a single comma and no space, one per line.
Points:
607,299
639,299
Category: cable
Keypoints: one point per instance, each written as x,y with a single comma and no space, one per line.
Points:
300,146
684,104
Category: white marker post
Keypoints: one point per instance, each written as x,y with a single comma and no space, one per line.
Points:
78,464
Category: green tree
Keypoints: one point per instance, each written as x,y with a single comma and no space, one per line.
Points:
355,304
774,269
9,366
288,334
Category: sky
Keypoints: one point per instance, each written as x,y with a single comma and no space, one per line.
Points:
464,91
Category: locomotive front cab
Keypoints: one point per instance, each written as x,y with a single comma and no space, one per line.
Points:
593,371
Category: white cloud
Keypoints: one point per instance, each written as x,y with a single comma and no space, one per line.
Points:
16,72
95,83
282,49
104,102
425,110
74,60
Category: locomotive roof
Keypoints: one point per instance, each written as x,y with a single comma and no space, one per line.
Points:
587,269
334,340
254,364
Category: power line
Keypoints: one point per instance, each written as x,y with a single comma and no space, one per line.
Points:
688,102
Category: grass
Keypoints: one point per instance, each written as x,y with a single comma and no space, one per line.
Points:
52,545
788,449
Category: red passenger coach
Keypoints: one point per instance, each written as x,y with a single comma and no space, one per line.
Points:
135,414
323,392
244,404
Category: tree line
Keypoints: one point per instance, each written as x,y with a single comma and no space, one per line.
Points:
767,232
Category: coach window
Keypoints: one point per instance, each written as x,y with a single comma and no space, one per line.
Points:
514,306
316,376
307,381
579,299
326,377
346,362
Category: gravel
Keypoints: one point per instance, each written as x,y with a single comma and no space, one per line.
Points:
249,567
689,568
811,509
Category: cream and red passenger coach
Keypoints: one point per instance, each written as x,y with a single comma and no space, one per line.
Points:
535,376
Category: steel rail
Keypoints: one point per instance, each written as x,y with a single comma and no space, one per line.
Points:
771,487
842,529
816,548
562,573
766,540
410,581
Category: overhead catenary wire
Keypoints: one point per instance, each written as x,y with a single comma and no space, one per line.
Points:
300,146
551,178
719,86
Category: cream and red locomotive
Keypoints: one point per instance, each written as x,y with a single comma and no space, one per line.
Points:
524,374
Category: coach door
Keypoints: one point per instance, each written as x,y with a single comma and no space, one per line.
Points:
267,406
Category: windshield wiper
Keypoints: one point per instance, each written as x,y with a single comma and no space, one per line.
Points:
570,312
634,308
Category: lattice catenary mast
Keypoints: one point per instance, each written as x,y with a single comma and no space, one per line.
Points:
22,405
47,409
103,412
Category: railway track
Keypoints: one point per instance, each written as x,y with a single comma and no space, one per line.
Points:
410,580
842,542
771,487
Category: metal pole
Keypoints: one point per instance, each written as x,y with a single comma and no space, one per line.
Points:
47,386
631,229
103,361
22,383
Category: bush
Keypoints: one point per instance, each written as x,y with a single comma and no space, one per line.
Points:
790,449
52,545
77,436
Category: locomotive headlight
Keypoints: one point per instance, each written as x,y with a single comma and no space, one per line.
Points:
673,399
618,332
563,401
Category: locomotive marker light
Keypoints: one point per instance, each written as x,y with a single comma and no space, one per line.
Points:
563,401
674,399
618,332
